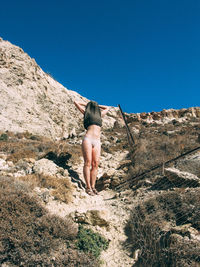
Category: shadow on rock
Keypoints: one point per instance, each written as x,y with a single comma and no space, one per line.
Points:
61,160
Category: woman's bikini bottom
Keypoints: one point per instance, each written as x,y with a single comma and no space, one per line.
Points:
93,141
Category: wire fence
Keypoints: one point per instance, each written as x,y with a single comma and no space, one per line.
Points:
164,227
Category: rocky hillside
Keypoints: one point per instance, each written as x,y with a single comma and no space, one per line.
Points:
144,216
32,100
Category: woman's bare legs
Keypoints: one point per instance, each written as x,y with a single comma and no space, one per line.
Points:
96,151
91,157
87,156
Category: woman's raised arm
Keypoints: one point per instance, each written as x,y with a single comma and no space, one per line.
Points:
80,106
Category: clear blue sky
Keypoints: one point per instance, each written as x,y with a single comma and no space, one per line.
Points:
142,54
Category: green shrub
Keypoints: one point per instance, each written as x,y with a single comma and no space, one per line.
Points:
35,137
3,137
91,242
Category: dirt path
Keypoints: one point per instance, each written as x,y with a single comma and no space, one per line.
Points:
117,213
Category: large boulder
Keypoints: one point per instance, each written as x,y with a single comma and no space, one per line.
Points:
48,167
93,217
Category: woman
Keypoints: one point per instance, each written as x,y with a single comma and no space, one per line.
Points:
91,145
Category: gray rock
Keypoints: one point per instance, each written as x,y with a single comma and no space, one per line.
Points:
20,173
46,167
92,217
97,217
3,165
115,181
182,179
190,164
43,194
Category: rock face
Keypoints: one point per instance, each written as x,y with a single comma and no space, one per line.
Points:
165,116
31,100
3,165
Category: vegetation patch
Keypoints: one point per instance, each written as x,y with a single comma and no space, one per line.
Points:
160,143
21,154
162,228
62,188
3,137
26,145
91,242
30,236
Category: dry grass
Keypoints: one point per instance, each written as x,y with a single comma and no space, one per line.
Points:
29,236
22,154
17,149
62,188
157,144
21,146
117,139
25,145
63,158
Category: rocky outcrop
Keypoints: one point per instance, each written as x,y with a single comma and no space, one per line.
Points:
31,100
165,116
3,165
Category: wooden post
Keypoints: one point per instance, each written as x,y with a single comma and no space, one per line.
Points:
129,134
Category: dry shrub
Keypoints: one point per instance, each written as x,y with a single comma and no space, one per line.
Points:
25,145
29,135
19,149
160,143
25,141
15,157
8,146
30,236
156,228
76,155
62,187
117,140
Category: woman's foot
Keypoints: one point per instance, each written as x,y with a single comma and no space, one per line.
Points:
95,191
89,191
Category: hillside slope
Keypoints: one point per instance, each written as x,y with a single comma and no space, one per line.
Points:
32,100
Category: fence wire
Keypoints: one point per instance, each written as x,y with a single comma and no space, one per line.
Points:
164,227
